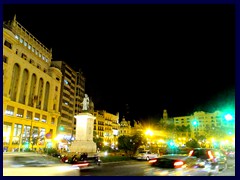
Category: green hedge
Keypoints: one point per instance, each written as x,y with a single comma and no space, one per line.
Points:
114,158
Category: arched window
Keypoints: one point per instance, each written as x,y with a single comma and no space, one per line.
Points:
32,90
46,97
14,82
24,84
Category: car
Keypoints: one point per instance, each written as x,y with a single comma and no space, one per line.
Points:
176,165
87,163
216,158
146,155
34,164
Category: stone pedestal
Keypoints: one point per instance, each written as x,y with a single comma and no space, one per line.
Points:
83,142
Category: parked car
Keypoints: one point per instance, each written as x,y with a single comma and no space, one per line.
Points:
216,158
176,165
146,155
33,164
87,162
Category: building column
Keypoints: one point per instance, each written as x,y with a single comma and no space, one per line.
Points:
28,88
36,93
43,96
11,138
19,85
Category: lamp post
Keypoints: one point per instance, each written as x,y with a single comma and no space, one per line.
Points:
149,135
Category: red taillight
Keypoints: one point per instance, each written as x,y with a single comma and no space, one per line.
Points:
190,153
178,164
152,161
210,154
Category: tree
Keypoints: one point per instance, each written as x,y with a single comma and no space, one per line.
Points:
130,144
138,140
125,143
98,140
192,144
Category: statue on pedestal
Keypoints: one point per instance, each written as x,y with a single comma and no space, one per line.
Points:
85,103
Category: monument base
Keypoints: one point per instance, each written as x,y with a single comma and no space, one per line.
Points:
80,146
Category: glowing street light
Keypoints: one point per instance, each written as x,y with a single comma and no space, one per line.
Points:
228,117
149,132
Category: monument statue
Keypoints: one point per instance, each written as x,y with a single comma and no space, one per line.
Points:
84,131
85,103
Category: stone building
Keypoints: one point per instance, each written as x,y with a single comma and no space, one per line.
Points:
31,90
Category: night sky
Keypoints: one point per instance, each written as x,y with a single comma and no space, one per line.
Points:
144,58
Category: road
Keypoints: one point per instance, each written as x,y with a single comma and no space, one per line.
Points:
136,168
230,171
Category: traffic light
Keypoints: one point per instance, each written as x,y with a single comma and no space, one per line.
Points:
61,128
170,143
26,145
195,122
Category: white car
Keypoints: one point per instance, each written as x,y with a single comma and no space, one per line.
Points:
33,164
146,155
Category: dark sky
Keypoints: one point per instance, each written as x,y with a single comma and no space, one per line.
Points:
151,57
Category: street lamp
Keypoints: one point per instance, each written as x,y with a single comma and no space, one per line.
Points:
149,132
228,117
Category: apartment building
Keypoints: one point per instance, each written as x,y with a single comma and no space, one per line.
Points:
200,122
31,90
106,126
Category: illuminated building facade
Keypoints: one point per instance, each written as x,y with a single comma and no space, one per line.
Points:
106,126
201,123
31,90
125,128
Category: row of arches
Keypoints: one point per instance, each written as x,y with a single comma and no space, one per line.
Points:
26,89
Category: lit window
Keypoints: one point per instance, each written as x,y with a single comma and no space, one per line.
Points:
44,118
46,60
65,81
37,117
9,111
36,52
43,57
29,46
21,40
20,112
16,36
6,133
25,43
17,129
40,54
42,131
